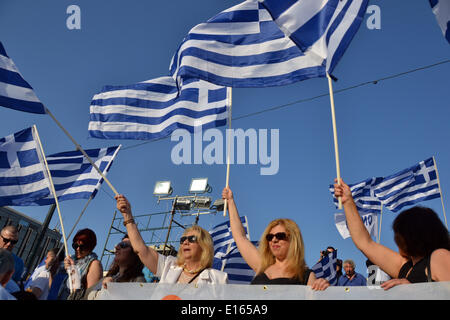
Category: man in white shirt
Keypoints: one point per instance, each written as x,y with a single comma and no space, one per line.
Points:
6,272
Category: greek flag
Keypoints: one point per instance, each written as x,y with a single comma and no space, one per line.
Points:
237,269
223,238
227,256
74,177
409,186
153,109
323,28
326,268
441,9
15,92
363,195
244,47
23,177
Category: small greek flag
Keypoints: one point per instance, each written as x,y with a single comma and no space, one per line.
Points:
155,108
23,177
409,186
326,268
15,92
441,9
74,177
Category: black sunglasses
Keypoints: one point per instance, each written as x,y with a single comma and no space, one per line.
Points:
123,245
6,240
191,239
75,246
278,235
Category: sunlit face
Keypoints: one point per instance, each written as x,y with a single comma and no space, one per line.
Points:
191,250
279,248
49,259
123,251
8,240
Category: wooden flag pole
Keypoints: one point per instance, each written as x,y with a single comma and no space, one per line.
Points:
52,188
336,150
440,191
79,148
230,101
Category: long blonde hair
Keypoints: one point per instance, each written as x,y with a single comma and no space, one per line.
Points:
206,244
296,254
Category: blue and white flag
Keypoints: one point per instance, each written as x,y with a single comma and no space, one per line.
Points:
409,186
321,28
223,238
23,177
15,92
74,177
155,108
239,272
326,268
441,9
244,47
363,195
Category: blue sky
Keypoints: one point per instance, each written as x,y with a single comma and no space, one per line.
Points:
382,128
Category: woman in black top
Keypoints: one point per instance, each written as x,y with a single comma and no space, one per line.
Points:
281,256
422,239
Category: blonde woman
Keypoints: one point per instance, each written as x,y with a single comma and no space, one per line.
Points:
193,262
280,258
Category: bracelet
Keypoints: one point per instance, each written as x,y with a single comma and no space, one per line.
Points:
128,221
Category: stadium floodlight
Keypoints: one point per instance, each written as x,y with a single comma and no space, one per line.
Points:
162,188
183,204
199,185
202,202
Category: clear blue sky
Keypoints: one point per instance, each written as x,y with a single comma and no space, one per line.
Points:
382,128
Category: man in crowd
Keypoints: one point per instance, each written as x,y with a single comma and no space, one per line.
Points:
351,278
9,236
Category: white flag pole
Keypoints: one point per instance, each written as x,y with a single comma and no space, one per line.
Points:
336,150
440,191
229,102
52,188
82,151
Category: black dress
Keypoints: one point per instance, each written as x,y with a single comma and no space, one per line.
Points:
417,273
263,279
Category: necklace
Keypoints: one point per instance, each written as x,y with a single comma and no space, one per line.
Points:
190,271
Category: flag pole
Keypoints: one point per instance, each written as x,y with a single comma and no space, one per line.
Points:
336,150
440,191
229,102
79,148
52,187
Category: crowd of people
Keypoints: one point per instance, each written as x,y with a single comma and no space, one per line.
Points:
422,240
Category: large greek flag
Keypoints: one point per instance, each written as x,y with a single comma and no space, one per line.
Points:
15,92
326,268
441,9
363,195
74,177
154,108
409,186
244,47
23,178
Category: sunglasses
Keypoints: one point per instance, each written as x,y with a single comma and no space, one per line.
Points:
76,246
191,239
123,245
6,240
278,235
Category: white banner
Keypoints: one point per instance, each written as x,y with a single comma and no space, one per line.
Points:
155,291
370,221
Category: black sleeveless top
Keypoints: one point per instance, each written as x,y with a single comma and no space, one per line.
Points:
417,273
263,279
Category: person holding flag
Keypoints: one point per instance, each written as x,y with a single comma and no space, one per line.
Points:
280,258
422,239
